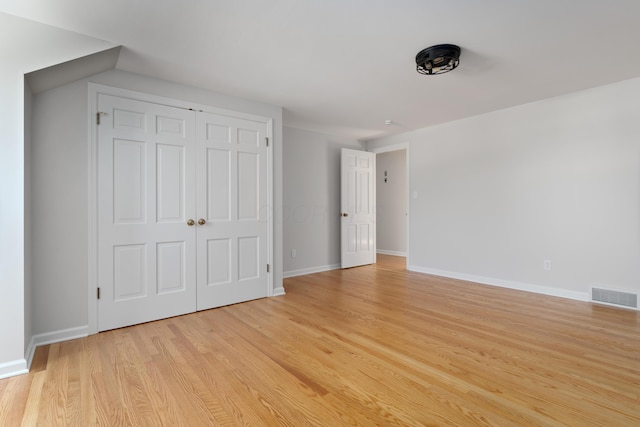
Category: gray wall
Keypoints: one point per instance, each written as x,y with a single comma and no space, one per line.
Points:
391,202
559,179
60,166
311,200
59,211
31,46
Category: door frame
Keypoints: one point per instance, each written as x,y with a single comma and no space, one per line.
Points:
95,89
398,147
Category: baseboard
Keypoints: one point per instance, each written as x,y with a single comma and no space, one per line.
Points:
13,368
61,335
311,270
31,350
54,337
277,292
527,287
393,253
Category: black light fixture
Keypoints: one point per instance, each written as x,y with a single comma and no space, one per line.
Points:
438,59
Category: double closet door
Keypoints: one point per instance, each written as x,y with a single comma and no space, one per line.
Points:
182,211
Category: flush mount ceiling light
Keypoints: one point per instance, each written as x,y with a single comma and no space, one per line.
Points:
438,59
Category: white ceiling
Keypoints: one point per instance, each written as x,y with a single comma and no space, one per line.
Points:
343,67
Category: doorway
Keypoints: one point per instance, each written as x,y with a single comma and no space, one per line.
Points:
392,200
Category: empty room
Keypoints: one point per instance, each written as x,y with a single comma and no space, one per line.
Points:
323,213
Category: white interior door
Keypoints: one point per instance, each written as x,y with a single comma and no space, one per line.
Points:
232,210
146,195
357,181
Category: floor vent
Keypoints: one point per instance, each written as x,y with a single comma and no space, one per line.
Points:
617,298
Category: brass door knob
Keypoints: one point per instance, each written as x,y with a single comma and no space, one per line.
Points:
190,223
201,221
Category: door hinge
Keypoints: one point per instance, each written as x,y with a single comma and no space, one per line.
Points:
267,140
267,268
98,293
98,114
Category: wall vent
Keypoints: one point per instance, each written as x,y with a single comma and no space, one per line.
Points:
617,298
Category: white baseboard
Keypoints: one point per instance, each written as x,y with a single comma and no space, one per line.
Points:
31,350
278,291
394,253
311,270
13,368
54,337
528,287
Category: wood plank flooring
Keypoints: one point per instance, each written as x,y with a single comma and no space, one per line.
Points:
373,345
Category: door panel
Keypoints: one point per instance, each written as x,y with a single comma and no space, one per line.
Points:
129,120
129,174
218,182
169,184
357,215
146,251
170,126
248,185
232,249
249,137
129,271
248,249
218,261
171,266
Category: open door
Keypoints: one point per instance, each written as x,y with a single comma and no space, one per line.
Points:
357,216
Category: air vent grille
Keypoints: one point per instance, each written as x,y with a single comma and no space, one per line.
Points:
607,296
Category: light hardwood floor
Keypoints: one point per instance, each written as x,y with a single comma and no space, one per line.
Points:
374,345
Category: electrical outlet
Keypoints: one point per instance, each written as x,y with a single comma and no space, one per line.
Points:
546,264
293,253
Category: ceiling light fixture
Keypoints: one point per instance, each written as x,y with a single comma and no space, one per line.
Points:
438,59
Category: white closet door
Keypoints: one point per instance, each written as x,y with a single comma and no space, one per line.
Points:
232,207
146,195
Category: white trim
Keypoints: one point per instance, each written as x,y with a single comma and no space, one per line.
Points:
59,336
407,166
94,89
310,270
374,196
170,102
608,304
31,350
278,292
269,214
387,148
54,337
393,253
527,287
13,368
92,188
